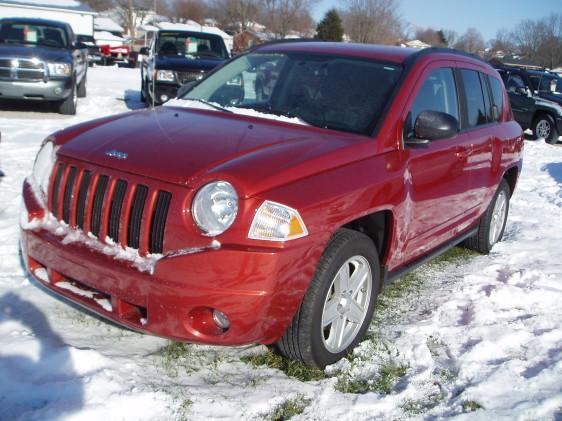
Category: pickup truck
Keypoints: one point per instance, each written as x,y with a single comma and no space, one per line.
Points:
176,57
41,60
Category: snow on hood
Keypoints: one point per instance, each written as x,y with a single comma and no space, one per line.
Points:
190,103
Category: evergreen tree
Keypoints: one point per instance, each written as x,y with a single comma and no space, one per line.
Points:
330,28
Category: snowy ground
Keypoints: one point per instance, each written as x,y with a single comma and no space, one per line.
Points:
469,336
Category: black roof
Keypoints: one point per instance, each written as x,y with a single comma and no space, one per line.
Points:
74,6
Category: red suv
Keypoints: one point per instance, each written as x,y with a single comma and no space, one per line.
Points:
231,217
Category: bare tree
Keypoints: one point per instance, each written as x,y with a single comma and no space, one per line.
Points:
503,42
235,14
471,41
431,36
99,5
372,21
132,12
540,40
451,36
183,10
283,16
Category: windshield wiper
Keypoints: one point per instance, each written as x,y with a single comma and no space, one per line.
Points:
211,104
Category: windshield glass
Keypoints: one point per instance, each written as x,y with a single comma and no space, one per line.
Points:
339,93
43,35
190,45
546,83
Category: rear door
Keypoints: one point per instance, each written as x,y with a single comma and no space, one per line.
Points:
523,106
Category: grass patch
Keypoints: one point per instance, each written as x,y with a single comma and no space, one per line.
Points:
289,408
471,406
389,374
417,407
294,369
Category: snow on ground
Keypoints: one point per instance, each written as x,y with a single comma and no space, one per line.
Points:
468,333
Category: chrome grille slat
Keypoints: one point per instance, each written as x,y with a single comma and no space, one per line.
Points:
14,68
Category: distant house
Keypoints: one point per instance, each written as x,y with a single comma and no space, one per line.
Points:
514,61
248,39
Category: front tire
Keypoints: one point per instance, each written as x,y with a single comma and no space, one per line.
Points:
337,308
81,90
544,127
492,223
68,106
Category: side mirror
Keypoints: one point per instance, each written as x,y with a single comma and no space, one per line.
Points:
144,51
433,125
185,88
521,90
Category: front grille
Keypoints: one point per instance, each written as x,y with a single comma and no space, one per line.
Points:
184,77
22,69
110,207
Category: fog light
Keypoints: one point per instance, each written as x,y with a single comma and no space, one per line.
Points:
58,91
163,98
221,319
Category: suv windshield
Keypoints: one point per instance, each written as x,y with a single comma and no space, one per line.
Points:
190,45
339,93
33,34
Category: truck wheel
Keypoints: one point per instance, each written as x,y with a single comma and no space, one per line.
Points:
544,127
337,308
492,223
81,90
68,106
142,94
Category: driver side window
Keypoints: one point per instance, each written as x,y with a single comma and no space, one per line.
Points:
438,93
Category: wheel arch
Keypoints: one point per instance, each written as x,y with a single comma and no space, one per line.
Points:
378,227
511,176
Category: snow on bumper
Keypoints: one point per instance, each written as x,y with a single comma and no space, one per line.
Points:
171,295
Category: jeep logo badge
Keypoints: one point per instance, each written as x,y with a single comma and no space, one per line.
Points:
116,154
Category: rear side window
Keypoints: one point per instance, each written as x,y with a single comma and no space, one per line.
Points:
497,96
438,93
475,107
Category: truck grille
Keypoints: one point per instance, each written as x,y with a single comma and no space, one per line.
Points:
130,214
184,77
21,69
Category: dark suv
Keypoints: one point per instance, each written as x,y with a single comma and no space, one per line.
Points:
41,60
175,58
231,217
533,108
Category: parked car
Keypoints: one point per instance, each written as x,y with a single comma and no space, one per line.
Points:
41,60
175,58
227,219
94,53
532,108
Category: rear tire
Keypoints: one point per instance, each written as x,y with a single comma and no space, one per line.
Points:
337,309
492,223
68,106
544,127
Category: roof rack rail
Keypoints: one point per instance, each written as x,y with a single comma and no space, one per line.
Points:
283,41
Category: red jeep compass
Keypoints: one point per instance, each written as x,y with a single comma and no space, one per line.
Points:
240,214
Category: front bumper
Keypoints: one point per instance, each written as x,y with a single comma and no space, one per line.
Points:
164,91
258,289
52,90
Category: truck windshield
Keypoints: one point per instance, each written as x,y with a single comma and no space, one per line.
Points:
33,34
191,45
339,93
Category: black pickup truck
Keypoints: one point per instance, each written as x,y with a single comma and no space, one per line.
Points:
41,60
531,108
175,58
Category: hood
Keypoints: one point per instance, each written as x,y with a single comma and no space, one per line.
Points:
188,147
182,63
30,51
551,97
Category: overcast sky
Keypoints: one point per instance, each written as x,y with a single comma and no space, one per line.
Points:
485,15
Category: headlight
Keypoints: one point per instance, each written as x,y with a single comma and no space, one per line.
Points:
59,69
43,166
166,75
215,207
277,222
